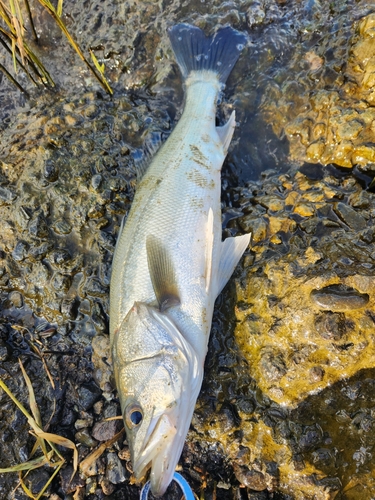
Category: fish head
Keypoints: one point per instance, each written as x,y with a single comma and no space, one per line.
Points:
158,379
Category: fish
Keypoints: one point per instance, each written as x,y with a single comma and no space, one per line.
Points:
170,263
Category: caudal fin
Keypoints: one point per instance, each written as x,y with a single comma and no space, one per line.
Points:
195,51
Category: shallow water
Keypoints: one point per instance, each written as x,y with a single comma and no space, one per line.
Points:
67,177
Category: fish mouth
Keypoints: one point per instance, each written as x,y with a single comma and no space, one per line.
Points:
160,453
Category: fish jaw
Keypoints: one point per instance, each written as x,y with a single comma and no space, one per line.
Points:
160,455
158,376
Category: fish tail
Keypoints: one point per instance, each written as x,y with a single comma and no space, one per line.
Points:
195,51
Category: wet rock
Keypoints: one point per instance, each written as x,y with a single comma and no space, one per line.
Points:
51,171
61,282
253,479
350,216
15,299
96,181
38,227
273,365
62,227
95,288
20,251
339,298
333,122
102,360
316,374
7,196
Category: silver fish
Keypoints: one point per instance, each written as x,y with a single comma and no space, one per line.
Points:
170,263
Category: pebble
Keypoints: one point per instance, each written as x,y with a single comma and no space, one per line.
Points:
62,227
96,181
353,219
102,431
256,226
304,209
253,479
51,171
81,423
7,196
316,374
38,227
107,487
115,472
20,251
273,365
330,325
339,298
88,395
84,437
16,299
91,486
3,351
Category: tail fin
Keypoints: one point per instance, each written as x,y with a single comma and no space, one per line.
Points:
194,51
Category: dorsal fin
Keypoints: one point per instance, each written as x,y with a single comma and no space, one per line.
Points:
231,251
162,273
225,132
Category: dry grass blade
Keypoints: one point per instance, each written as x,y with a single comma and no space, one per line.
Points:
13,38
10,13
32,401
94,455
100,77
35,463
61,441
17,23
45,440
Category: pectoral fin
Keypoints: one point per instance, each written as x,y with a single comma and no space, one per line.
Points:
226,131
231,252
162,273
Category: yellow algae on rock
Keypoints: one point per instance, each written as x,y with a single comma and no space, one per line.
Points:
332,122
304,209
308,322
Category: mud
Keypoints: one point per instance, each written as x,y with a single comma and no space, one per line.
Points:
286,409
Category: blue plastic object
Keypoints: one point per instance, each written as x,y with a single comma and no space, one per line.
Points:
183,484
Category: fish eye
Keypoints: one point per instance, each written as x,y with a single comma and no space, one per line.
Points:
133,415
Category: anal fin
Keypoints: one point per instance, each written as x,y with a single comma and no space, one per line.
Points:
231,252
225,132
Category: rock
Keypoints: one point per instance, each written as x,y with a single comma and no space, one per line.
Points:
115,472
88,394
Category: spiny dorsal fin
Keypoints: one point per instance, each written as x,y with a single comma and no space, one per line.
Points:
163,276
